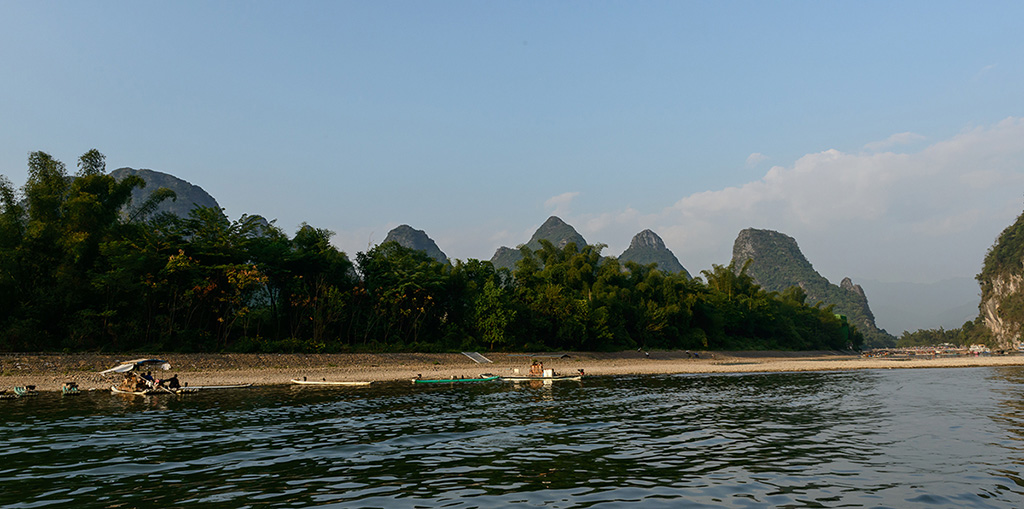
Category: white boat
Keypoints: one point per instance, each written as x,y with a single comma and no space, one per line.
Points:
327,382
210,387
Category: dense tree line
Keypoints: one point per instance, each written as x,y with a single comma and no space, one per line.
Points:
932,337
970,333
82,268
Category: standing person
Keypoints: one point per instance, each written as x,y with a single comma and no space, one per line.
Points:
537,368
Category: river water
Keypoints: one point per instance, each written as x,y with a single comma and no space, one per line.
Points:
879,438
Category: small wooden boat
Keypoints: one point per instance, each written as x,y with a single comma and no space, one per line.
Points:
139,384
70,389
328,382
161,389
28,390
153,391
483,378
539,374
211,387
540,378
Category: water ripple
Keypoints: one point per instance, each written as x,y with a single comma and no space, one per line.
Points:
892,438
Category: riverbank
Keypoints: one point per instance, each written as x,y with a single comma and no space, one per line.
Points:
49,371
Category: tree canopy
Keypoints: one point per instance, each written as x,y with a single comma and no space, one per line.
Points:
83,268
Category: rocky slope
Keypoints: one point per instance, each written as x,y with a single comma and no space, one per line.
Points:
189,196
1002,287
553,230
409,237
646,248
778,264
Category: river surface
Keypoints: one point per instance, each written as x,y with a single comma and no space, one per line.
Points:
879,438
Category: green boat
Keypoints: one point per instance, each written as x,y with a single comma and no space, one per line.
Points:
70,389
28,390
482,378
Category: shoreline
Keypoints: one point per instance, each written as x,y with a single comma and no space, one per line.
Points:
49,371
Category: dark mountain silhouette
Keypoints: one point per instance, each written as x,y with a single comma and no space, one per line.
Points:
407,236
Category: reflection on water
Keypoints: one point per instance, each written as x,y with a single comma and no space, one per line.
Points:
892,438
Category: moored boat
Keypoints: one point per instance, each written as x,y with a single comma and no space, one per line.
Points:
144,384
27,390
482,378
540,378
537,373
70,389
194,388
152,390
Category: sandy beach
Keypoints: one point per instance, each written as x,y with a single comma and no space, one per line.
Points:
49,371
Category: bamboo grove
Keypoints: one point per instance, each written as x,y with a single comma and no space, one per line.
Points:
83,269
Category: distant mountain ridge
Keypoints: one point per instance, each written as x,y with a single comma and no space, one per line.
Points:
778,264
785,266
189,196
900,307
647,248
409,237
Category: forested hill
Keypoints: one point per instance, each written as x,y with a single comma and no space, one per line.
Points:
187,195
1002,287
777,264
647,247
412,238
554,230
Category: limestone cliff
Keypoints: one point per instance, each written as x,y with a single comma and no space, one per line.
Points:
189,196
409,237
1002,287
553,230
778,264
646,248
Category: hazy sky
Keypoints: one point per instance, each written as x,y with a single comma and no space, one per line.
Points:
886,137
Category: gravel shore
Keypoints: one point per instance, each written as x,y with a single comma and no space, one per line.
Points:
49,371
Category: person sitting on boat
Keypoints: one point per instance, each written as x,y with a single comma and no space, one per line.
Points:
125,383
130,383
173,382
537,368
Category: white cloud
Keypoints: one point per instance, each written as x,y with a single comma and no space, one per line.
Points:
755,158
921,216
925,215
895,140
560,204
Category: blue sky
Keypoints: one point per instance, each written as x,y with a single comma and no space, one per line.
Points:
886,137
